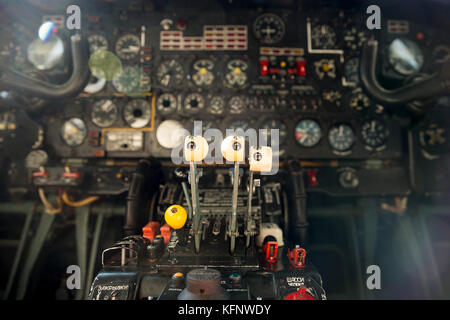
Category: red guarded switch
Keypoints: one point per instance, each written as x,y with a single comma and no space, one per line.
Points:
264,67
151,230
311,175
297,257
166,230
301,68
270,250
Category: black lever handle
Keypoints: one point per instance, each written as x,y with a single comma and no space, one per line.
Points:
12,80
431,86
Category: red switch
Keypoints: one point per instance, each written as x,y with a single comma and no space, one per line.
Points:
301,68
312,178
264,67
297,257
301,294
166,230
270,250
150,230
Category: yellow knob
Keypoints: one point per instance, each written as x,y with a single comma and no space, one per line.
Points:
326,67
237,70
175,216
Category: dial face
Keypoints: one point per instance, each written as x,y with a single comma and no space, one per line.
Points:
374,133
36,159
236,73
341,137
46,55
323,37
74,132
351,69
348,179
202,72
354,39
170,73
308,133
137,113
405,56
97,42
359,101
128,47
128,81
239,125
441,54
216,105
167,103
104,113
275,125
193,103
269,28
433,135
237,105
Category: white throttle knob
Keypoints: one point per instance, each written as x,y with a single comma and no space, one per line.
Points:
260,159
233,148
195,148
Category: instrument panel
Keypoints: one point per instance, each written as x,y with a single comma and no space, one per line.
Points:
292,69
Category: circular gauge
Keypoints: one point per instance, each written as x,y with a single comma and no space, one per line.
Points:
441,54
405,56
351,70
341,137
128,46
308,133
274,125
36,159
193,103
354,39
97,43
137,113
236,75
359,101
170,73
167,103
374,133
203,76
74,132
45,55
104,113
348,179
237,105
269,28
170,134
216,105
433,135
323,37
128,81
239,125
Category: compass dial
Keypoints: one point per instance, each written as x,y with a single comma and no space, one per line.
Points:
308,133
167,103
128,47
104,113
323,37
341,137
170,73
374,133
269,28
